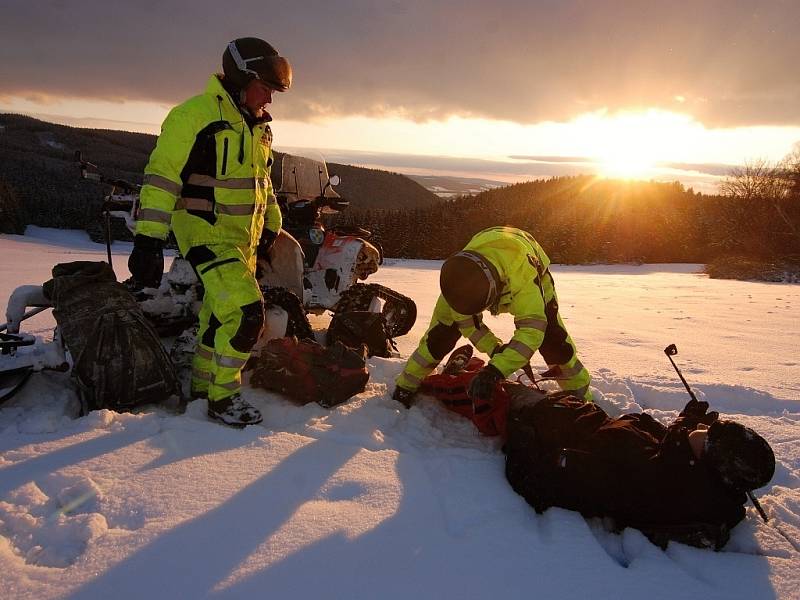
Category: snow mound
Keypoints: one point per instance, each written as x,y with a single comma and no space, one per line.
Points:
52,531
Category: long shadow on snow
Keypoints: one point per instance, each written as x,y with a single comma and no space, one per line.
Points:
206,439
411,555
31,469
408,554
192,558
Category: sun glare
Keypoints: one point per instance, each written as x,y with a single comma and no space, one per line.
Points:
625,165
630,145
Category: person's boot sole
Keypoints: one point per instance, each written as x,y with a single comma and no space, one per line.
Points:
215,417
458,360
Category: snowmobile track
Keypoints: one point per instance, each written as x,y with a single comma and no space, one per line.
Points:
400,311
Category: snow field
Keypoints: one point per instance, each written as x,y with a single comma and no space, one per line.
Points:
371,500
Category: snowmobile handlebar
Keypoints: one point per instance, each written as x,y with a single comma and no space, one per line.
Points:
337,204
306,212
91,172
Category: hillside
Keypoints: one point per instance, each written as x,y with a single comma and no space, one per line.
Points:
39,180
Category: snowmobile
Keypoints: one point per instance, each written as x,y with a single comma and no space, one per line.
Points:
321,266
21,354
334,259
114,356
292,280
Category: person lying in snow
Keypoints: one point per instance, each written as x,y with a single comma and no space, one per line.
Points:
686,482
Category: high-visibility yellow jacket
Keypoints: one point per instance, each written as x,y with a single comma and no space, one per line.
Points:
524,290
209,176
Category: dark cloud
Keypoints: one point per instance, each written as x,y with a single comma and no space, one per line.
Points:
727,62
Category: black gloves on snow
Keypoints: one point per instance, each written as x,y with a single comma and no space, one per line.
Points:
146,262
695,413
482,385
266,243
404,396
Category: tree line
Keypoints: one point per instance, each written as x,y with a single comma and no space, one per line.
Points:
583,219
579,219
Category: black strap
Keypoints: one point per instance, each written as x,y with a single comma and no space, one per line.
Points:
219,263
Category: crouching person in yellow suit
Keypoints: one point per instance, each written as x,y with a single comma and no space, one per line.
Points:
503,270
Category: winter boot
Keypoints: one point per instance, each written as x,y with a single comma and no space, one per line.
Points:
234,411
458,360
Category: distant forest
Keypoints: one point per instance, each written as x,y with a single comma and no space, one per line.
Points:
587,220
579,219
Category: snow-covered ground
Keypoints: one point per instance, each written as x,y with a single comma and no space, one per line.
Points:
372,501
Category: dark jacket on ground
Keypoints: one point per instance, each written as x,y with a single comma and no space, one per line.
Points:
565,452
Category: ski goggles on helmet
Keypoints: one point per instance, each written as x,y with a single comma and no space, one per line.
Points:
275,70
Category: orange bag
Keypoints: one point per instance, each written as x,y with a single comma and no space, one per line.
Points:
489,417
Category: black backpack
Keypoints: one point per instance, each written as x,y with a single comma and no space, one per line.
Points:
118,360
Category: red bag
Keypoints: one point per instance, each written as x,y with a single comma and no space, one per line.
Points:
307,372
489,417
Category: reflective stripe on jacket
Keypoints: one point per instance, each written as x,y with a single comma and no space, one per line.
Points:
209,176
524,291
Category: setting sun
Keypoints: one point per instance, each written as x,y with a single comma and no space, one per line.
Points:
630,144
625,164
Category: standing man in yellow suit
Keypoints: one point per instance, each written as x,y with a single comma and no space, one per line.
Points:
504,270
208,180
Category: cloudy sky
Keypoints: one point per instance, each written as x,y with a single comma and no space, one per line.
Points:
641,83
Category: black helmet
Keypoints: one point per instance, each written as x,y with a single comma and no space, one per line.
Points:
469,282
249,58
743,458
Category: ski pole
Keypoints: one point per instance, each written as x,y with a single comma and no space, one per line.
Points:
671,351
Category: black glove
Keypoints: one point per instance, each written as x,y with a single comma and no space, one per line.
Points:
696,412
694,408
266,243
146,262
498,349
404,396
482,385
